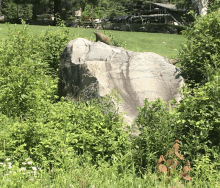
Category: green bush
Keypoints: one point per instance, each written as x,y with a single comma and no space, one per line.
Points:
157,133
52,43
199,57
65,128
24,84
33,124
199,121
195,121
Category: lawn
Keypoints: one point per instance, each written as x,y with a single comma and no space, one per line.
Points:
166,45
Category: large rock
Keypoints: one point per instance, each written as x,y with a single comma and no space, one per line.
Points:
98,68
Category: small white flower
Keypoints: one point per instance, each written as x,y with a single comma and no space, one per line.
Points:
1,163
6,174
40,169
24,163
9,172
8,159
22,169
34,168
30,179
27,159
9,167
29,162
9,163
23,173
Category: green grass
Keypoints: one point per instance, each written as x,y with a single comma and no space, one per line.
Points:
79,174
166,45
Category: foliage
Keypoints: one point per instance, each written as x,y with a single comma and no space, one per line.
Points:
32,125
115,41
52,44
157,133
199,120
205,170
195,122
21,64
199,56
9,10
213,5
62,129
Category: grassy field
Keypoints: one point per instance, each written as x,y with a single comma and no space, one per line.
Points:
166,45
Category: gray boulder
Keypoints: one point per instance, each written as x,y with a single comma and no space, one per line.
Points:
97,68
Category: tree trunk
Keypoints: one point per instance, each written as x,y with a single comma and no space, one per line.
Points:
0,7
57,7
57,10
92,12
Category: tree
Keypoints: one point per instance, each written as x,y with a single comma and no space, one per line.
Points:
57,7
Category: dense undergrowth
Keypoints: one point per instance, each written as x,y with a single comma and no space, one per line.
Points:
49,142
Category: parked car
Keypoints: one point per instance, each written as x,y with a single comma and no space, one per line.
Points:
121,19
108,19
97,21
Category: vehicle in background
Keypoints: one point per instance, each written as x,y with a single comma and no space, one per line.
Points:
108,19
122,19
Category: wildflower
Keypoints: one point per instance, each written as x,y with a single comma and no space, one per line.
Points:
6,174
1,163
22,169
24,163
34,168
23,173
8,159
40,169
9,167
9,163
27,159
30,179
9,172
29,162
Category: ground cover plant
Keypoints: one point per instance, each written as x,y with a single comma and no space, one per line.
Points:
47,142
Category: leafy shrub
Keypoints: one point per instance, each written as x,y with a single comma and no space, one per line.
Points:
199,57
198,122
213,5
115,41
62,130
195,121
157,133
24,84
204,170
52,43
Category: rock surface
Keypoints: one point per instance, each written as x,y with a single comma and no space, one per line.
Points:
99,68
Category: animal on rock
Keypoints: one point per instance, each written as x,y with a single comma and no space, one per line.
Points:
101,37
